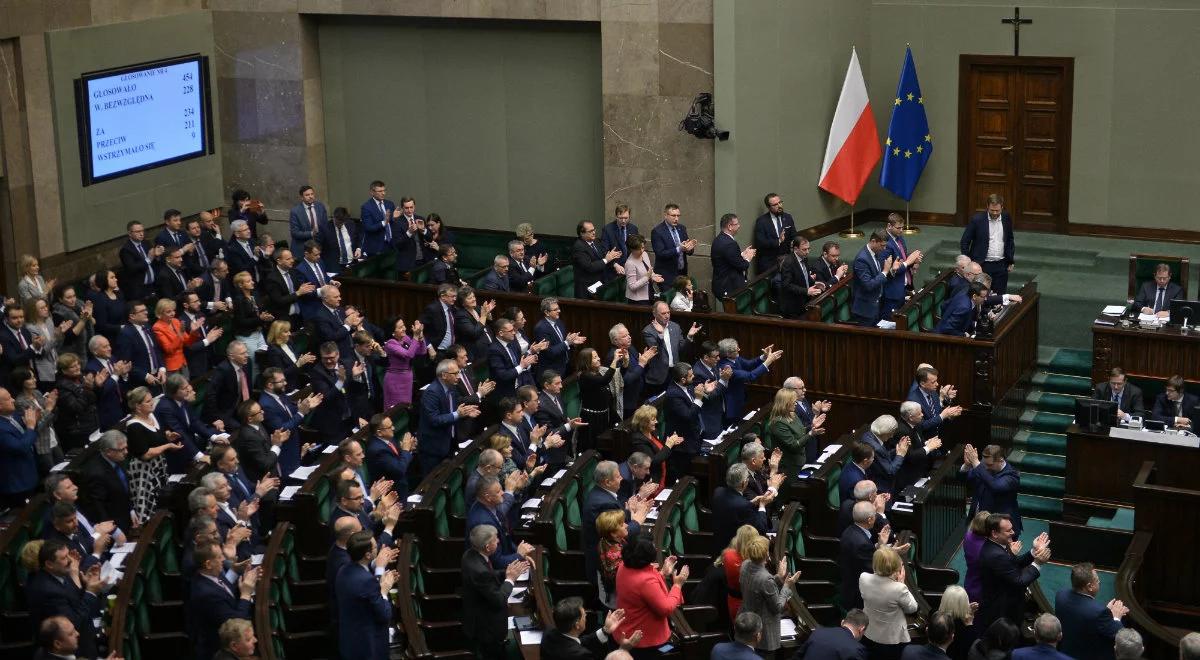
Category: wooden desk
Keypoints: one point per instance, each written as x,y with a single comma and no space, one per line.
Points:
1101,470
1157,353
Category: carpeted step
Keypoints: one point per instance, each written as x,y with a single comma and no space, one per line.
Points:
1070,361
1052,402
1044,464
1041,443
1033,506
1063,383
1046,422
1042,484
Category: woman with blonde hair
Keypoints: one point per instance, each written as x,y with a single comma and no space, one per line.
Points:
249,316
886,599
730,560
613,533
282,354
956,604
503,444
787,433
642,438
973,542
40,323
764,593
32,284
536,254
148,441
173,337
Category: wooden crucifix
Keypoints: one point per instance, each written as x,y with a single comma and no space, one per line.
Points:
1016,21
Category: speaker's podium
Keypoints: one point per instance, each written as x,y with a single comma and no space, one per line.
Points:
1103,463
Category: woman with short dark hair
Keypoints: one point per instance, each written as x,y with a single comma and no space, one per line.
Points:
643,593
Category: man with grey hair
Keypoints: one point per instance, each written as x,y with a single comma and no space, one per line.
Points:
962,276
665,335
754,457
806,412
604,496
110,380
239,253
485,593
175,412
635,474
1189,647
1128,645
744,371
105,493
559,341
497,278
520,274
61,488
229,384
630,377
491,506
864,491
1047,632
888,459
441,408
921,451
857,549
731,509
489,464
747,630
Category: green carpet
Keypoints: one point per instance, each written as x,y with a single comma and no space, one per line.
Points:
1071,361
1042,484
1046,443
1042,465
1066,384
1050,422
1035,505
1122,519
1052,402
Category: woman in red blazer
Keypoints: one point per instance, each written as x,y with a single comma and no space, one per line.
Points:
172,336
642,592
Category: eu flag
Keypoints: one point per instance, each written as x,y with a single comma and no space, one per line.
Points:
909,143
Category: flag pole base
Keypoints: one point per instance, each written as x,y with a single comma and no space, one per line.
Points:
908,230
851,232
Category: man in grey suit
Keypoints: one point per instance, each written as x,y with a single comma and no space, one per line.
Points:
307,219
1127,396
665,335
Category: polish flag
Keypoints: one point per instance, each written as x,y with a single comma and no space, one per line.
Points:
853,148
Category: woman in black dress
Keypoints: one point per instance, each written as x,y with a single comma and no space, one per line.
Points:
108,305
283,354
595,397
249,316
148,441
470,324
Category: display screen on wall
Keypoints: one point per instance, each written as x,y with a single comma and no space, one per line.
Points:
143,116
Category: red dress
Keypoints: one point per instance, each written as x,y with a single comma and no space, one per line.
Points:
732,562
643,594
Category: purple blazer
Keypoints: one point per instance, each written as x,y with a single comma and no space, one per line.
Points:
972,544
398,381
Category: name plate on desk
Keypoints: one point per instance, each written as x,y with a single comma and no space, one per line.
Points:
1158,438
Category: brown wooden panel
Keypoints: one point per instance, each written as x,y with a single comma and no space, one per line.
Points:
1102,469
1157,353
992,162
994,86
1040,126
1168,506
1038,164
993,125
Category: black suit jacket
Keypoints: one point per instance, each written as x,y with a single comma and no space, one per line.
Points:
254,449
589,265
48,596
279,299
557,645
333,417
1149,291
197,354
974,241
823,272
484,600
1131,397
1003,578
1164,409
168,284
433,317
767,241
554,420
854,558
104,496
207,608
443,273
731,510
222,396
729,268
132,277
793,286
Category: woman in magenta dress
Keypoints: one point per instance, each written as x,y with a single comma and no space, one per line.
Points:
401,349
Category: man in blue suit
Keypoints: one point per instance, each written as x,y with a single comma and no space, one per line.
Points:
1048,633
730,263
712,411
386,458
1174,406
410,238
747,630
870,275
440,409
18,346
342,241
559,342
988,241
52,591
1089,627
614,237
110,390
840,643
307,220
64,526
496,279
18,458
280,412
172,236
939,635
363,610
1004,576
212,600
861,457
671,245
904,264
378,215
887,461
731,509
962,312
491,506
933,398
742,371
311,270
773,231
995,482
137,344
602,497
681,413
506,365
174,411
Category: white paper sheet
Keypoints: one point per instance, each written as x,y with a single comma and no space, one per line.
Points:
303,473
288,493
531,637
663,495
749,415
532,503
787,628
1113,310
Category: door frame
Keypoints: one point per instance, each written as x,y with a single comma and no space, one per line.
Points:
965,63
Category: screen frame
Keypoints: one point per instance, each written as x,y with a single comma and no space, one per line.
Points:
83,120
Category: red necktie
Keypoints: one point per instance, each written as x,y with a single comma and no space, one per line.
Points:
241,376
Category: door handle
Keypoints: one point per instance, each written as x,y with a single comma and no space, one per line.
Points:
1008,148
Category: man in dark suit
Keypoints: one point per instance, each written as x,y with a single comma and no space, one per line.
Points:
174,412
216,290
18,466
939,635
797,282
559,341
64,527
1004,575
857,548
212,600
904,264
57,639
496,279
378,216
861,457
589,258
197,260
864,491
773,231
368,359
341,242
1126,395
53,591
1155,297
921,450
441,407
730,263
309,270
671,245
1089,627
665,335
567,639
334,379
731,509
137,263
18,346
410,238
444,270
490,505
747,631
995,482
603,497
257,447
306,220
520,273
829,267
933,398
1047,632
681,416
962,313
888,459
840,643
334,324
506,365
709,370
552,414
104,493
280,412
199,354
988,240
284,288
137,344
871,272
485,592
172,278
387,458
240,252
614,236
228,385
363,610
743,371
438,318
1174,406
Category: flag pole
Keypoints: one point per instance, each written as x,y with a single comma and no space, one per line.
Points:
908,230
851,232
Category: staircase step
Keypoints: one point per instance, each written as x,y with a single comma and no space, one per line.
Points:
1070,361
1033,506
1063,383
1046,422
1035,463
1042,443
1052,402
1042,484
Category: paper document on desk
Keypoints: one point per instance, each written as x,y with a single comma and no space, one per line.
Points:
1113,310
787,628
595,287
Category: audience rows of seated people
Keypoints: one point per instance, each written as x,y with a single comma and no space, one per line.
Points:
86,368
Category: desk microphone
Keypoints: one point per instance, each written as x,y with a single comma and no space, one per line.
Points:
1186,313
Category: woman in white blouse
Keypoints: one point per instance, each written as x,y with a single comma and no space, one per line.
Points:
682,301
886,599
638,274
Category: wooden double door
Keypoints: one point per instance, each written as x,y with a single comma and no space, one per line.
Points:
1015,137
